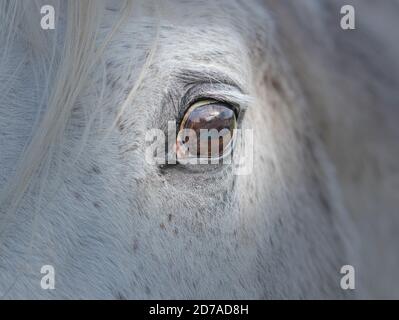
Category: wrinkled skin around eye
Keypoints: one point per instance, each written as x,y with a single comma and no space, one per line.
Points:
219,119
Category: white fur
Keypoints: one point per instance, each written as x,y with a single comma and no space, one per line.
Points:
77,193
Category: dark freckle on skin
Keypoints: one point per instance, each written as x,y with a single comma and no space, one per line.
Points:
324,202
96,169
121,125
234,184
96,205
76,109
113,84
271,242
120,296
276,84
170,217
135,245
147,290
77,195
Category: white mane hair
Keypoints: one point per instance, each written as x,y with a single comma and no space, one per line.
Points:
61,75
64,60
76,192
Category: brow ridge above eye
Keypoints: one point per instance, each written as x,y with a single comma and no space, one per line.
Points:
195,77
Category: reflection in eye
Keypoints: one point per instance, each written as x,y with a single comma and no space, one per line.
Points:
207,130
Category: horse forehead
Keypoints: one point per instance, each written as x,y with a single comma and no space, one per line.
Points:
203,35
178,46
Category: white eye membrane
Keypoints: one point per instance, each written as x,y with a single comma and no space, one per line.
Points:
207,131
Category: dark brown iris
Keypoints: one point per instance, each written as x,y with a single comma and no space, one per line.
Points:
211,126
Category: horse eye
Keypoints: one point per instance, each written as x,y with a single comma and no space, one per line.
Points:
207,130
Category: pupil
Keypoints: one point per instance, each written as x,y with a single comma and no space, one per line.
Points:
219,120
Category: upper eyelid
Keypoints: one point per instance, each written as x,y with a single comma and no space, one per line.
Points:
191,77
215,81
237,100
225,93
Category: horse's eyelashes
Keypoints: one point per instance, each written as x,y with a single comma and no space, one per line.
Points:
207,130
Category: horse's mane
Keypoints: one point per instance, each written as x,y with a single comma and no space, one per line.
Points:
64,59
